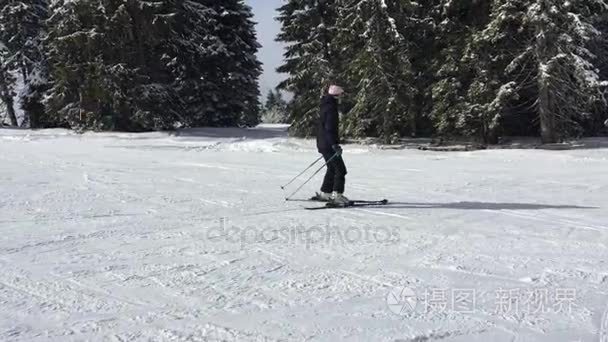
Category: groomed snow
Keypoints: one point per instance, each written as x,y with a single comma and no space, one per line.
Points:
186,237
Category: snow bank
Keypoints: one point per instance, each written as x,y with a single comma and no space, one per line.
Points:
271,138
264,138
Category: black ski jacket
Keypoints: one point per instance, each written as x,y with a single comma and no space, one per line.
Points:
327,127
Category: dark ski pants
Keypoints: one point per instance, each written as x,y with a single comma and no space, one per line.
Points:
335,176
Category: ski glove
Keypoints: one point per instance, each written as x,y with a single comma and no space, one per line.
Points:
338,149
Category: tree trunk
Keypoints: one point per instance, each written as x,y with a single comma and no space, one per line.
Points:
34,110
548,131
416,113
24,72
8,101
548,127
7,98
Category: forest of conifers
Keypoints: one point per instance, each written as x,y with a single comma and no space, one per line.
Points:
475,68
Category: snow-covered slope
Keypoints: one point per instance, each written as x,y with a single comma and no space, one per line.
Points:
186,237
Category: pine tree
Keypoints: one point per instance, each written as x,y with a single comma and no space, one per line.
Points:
567,79
493,93
377,37
140,65
212,61
22,28
525,62
7,86
243,68
77,42
195,57
275,108
271,100
281,103
599,47
145,64
454,24
311,59
107,64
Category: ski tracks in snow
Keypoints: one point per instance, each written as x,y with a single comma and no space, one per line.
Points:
553,220
152,275
604,326
72,300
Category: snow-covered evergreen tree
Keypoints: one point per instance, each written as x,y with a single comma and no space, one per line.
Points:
242,68
7,86
492,93
273,115
271,99
22,28
525,62
143,64
77,43
140,65
568,81
194,58
311,59
275,108
213,62
377,37
454,24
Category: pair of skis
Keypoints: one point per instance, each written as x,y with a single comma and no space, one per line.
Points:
351,204
328,205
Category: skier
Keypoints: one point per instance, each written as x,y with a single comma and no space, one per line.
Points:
328,144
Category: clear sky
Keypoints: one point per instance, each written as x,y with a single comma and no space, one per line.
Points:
271,53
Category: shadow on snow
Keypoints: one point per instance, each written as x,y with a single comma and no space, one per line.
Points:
476,206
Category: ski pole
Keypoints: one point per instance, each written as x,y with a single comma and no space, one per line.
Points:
301,173
311,177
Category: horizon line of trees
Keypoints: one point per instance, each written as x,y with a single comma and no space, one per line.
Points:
476,68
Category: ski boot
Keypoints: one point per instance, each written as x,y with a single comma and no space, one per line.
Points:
339,200
322,197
